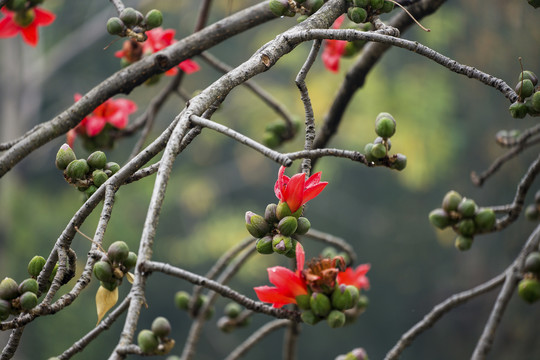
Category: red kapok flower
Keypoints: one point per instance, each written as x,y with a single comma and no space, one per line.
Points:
158,39
297,191
25,23
114,112
334,49
356,277
288,284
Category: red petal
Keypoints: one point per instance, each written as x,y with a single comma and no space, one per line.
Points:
189,66
43,17
288,282
278,187
313,191
94,125
294,192
8,28
30,34
71,135
273,296
313,179
119,54
338,22
300,257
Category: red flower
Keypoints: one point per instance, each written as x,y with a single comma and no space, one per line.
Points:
114,112
158,39
26,23
296,191
356,277
288,284
334,49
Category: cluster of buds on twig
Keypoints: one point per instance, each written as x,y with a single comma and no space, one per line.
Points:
528,96
377,152
156,340
132,23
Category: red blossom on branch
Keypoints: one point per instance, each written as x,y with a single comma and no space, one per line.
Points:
356,277
114,112
288,284
334,49
297,191
25,23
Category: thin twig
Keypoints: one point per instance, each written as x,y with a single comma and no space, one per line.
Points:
290,341
12,344
119,5
256,337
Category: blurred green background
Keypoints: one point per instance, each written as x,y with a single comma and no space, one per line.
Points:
446,127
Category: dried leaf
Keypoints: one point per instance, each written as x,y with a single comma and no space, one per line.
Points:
129,277
105,300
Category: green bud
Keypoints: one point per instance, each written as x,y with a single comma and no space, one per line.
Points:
532,263
467,208
130,261
380,140
320,304
466,227
357,14
303,226
527,74
451,201
485,219
118,252
24,18
281,244
112,167
278,7
309,317
153,19
30,285
301,18
5,309
292,253
264,245
518,109
532,213
314,5
529,290
28,300
89,191
224,324
303,301
270,214
367,152
400,162
181,300
388,6
535,101
336,319
109,285
385,125
288,225
147,341
363,302
361,3
282,210
377,4
439,218
378,151
232,310
129,16
9,289
161,327
463,243
115,26
99,177
256,225
35,265
97,160
77,169
103,271
524,88
64,156
342,298
271,140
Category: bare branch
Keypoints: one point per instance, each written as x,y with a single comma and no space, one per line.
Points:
256,337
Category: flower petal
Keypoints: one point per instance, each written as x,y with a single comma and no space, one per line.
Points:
300,257
43,17
287,281
30,34
294,191
94,125
313,191
8,28
273,296
278,187
189,66
313,179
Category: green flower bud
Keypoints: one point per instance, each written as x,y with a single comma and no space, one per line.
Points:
147,341
16,5
28,300
466,227
439,218
524,88
377,4
400,162
153,19
270,214
309,317
282,210
112,167
301,18
97,160
64,156
357,14
532,213
288,225
161,327
463,243
467,208
35,265
115,26
380,140
303,301
271,140
388,6
5,309
232,310
363,302
359,354
378,151
281,244
256,225
535,101
518,110
130,261
361,3
451,201
224,324
109,285
129,16
320,304
118,252
99,177
385,125
278,7
30,285
532,263
292,253
103,271
278,128
527,74
336,319
181,300
9,289
314,5
529,290
342,298
485,219
89,191
367,152
264,245
77,169
303,226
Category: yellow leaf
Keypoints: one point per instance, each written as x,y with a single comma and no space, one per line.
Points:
129,277
105,300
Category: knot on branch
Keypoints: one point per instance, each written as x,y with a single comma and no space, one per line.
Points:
162,62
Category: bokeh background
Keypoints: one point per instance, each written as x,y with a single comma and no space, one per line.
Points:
446,127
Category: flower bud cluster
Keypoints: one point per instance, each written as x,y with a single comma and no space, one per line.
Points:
361,11
277,230
183,300
156,341
355,354
114,265
528,96
465,218
529,286
278,131
87,175
132,23
233,318
16,298
24,12
376,153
